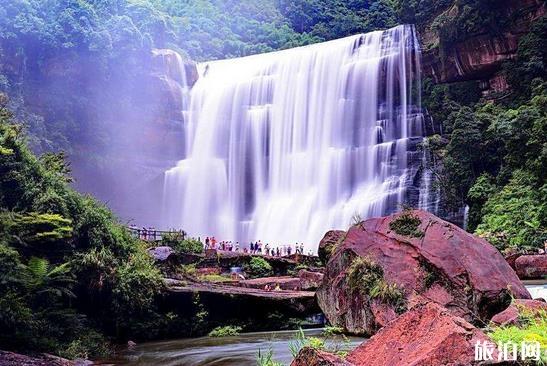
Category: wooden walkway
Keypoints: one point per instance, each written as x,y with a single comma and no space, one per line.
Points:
152,234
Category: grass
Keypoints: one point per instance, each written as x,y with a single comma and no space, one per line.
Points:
188,269
266,359
367,277
300,341
532,327
432,274
331,330
214,278
225,331
407,225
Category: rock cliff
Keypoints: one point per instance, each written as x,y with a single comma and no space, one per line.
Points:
478,55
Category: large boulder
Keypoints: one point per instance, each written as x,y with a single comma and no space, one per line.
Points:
531,266
427,335
512,315
312,357
386,265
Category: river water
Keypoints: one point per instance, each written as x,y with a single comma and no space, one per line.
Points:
227,351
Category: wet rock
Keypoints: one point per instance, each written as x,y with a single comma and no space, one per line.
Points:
173,65
531,266
510,316
434,261
313,357
426,335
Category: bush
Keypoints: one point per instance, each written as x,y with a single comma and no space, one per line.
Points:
407,225
258,267
180,245
367,277
225,331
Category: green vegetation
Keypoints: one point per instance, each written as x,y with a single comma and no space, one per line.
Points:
407,225
367,277
432,274
532,327
79,56
330,330
214,278
258,267
180,244
266,359
300,341
70,275
492,155
225,331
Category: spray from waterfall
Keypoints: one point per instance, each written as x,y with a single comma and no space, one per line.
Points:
283,146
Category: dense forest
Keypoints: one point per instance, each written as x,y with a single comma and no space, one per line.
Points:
70,272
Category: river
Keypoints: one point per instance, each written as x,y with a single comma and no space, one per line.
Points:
239,350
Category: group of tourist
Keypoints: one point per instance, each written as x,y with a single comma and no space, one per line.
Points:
151,234
255,247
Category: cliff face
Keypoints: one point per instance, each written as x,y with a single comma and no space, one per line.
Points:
479,55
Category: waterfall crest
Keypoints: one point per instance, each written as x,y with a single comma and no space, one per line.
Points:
283,146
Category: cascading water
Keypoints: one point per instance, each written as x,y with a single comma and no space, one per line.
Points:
283,146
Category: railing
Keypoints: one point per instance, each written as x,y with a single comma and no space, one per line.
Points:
152,234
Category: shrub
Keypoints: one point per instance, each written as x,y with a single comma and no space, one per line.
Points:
258,267
225,331
330,330
186,246
300,341
407,225
367,277
214,278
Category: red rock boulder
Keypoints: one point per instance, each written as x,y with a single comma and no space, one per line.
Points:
312,357
427,335
531,266
511,315
328,244
385,265
310,280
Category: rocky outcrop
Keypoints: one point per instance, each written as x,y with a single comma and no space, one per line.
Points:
427,335
312,357
284,283
160,253
16,359
531,266
328,243
310,280
511,315
376,273
306,280
172,65
480,55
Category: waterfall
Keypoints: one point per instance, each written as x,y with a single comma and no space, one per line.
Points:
283,146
